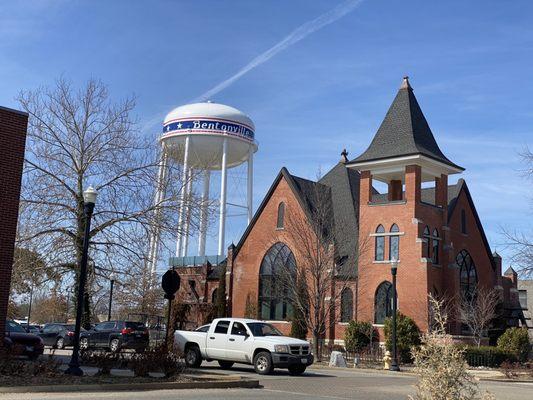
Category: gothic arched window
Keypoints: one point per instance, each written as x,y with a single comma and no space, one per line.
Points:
214,296
380,244
346,305
394,243
273,300
467,274
383,302
463,221
435,245
281,216
427,237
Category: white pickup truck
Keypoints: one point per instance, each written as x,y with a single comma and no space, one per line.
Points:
246,341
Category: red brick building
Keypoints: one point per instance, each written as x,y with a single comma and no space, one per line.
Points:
430,227
13,126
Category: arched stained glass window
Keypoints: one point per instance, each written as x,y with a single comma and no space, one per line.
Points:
383,302
281,216
346,305
435,243
380,244
427,237
394,243
467,274
273,300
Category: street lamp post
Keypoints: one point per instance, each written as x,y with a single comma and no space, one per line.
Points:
111,284
394,364
89,198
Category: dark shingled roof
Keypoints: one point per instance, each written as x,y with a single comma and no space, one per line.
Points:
510,271
404,131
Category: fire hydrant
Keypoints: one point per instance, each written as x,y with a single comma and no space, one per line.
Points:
386,360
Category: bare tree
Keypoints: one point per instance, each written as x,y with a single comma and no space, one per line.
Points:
440,365
477,310
77,138
315,286
519,241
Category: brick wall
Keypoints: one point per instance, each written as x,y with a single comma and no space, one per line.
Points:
13,125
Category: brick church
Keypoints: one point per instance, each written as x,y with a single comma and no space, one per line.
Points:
429,226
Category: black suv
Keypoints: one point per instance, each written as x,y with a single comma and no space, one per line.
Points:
116,335
57,335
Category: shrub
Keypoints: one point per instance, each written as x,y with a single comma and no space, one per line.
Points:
251,308
358,335
486,356
103,360
298,326
156,359
515,341
407,336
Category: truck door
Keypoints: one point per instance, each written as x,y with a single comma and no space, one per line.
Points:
217,340
239,343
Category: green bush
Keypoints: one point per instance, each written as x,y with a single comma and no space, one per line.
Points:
407,336
486,356
358,335
299,325
515,341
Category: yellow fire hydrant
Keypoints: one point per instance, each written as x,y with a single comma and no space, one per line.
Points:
386,360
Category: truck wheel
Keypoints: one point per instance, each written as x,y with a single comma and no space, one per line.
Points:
114,345
263,363
60,343
193,357
225,364
84,343
297,369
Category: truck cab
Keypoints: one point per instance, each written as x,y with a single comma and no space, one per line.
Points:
246,341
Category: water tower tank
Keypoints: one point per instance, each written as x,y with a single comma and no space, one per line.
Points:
209,137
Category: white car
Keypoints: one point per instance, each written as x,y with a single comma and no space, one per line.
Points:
246,341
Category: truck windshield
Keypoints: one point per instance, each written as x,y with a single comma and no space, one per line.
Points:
263,329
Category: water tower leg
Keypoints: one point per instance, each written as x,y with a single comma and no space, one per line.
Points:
182,197
203,214
160,192
250,184
223,183
187,214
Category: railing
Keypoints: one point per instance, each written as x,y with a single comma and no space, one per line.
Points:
371,355
194,261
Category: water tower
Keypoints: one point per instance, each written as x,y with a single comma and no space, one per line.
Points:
205,137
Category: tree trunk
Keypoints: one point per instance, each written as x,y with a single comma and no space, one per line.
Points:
316,345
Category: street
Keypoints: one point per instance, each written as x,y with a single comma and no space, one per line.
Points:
316,383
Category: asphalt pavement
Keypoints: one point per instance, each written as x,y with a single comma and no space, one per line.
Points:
316,383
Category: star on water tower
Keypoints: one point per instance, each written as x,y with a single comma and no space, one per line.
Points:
202,138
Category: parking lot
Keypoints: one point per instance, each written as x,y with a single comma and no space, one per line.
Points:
316,383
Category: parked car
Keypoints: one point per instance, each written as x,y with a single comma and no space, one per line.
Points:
116,335
58,335
21,342
246,341
31,328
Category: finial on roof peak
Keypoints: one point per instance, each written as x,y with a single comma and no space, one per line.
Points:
344,156
405,83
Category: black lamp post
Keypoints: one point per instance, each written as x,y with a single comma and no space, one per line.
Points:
89,198
394,364
111,284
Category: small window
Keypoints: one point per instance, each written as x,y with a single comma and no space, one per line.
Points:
281,215
214,296
463,221
394,243
427,237
380,244
222,327
238,329
435,242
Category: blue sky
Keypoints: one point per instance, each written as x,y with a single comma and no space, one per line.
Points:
469,63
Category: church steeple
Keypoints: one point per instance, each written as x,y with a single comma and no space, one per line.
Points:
405,133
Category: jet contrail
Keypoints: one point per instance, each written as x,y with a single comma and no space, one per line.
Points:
295,36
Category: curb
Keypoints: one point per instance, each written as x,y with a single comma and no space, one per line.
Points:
213,384
505,380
